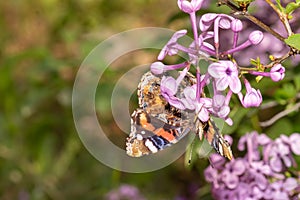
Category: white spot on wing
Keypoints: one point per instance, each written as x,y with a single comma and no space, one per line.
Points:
139,137
221,149
151,146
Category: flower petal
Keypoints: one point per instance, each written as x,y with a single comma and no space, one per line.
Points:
190,92
224,23
239,166
203,115
222,83
168,85
295,143
157,68
174,101
231,180
211,174
290,184
217,70
206,21
235,84
188,104
261,181
276,164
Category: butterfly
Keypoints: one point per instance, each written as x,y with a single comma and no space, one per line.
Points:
156,124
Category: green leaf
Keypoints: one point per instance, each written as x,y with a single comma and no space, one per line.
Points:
279,5
288,91
297,82
291,7
293,41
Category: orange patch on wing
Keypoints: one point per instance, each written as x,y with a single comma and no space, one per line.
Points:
145,124
165,134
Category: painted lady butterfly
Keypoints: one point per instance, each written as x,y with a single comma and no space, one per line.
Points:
156,124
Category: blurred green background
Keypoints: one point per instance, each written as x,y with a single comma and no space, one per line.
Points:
43,43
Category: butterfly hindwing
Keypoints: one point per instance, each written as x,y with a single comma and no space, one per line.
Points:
150,135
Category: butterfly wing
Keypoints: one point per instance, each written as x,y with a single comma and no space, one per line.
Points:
216,140
156,124
150,135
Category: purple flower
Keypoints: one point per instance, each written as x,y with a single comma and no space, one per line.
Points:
280,156
211,176
190,97
252,98
220,108
257,139
254,38
230,175
226,195
158,68
189,6
205,36
259,171
236,25
217,161
225,74
168,89
124,192
245,178
281,189
252,141
169,49
294,142
243,191
222,20
277,72
257,193
201,106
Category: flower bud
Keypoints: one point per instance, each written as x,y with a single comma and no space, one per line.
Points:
277,72
256,37
157,68
189,6
252,98
236,25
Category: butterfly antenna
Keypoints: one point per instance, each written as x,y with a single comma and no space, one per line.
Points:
211,163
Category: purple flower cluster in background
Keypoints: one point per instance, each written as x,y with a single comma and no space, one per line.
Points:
125,192
267,171
224,72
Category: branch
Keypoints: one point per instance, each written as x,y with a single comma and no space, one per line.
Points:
280,115
283,18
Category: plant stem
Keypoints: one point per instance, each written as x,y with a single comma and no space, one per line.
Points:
283,18
263,26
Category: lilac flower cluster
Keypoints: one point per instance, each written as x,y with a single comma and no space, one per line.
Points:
125,192
267,171
224,73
